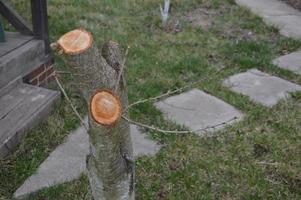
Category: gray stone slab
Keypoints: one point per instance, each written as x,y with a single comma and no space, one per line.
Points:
269,7
68,161
197,110
142,145
290,62
64,164
277,13
261,87
289,26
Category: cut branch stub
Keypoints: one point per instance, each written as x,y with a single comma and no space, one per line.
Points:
75,42
105,107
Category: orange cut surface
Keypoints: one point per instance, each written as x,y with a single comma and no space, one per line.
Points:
105,107
75,42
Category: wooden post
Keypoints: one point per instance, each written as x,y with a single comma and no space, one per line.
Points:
40,22
110,163
2,33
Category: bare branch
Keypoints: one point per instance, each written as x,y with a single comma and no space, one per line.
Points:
169,92
70,102
176,131
150,127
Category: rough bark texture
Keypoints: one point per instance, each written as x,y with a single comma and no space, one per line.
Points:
110,163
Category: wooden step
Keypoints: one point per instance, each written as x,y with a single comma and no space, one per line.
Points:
19,56
22,106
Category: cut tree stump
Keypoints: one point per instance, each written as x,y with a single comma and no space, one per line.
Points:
110,163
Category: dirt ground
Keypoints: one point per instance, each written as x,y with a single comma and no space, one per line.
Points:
201,18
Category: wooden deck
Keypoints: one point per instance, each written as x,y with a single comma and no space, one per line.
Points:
24,54
22,106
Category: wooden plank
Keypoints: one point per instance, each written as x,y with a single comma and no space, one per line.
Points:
10,86
13,41
15,97
22,110
40,22
22,61
40,114
18,116
16,35
14,18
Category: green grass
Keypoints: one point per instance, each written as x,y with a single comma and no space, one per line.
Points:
258,158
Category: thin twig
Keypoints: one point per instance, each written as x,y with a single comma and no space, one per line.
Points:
268,163
121,70
138,123
168,93
70,102
176,131
62,72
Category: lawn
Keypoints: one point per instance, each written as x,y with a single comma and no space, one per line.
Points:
258,158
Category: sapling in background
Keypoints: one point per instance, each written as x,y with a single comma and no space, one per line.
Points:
165,13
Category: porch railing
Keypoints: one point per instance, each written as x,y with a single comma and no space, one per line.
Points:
39,27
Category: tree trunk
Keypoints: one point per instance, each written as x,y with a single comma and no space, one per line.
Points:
165,13
110,163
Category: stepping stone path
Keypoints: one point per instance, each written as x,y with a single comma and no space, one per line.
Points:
197,110
290,62
68,161
277,13
194,109
261,87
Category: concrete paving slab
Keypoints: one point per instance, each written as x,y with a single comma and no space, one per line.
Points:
276,13
64,164
261,87
142,145
289,26
68,161
197,110
269,7
290,62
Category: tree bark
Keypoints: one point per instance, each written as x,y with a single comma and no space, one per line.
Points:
110,164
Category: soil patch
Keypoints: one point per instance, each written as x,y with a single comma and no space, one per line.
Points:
201,18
